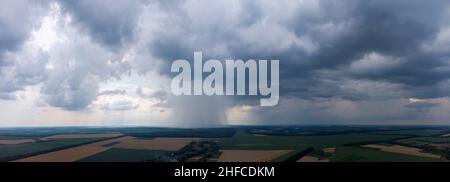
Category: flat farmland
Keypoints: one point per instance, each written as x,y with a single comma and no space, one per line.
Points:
403,150
427,140
357,154
127,155
16,141
112,142
66,155
415,132
312,159
247,141
250,155
72,136
246,144
125,142
13,151
163,144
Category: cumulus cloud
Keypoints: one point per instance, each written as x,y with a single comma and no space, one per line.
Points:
76,66
421,104
374,63
19,66
151,93
29,68
113,92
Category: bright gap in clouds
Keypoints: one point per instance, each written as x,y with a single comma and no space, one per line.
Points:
48,34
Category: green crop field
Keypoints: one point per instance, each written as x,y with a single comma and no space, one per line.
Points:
434,139
285,156
357,154
267,142
127,155
7,151
415,132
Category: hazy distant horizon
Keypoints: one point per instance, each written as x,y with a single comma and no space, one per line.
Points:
228,126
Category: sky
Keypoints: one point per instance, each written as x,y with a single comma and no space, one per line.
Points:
107,62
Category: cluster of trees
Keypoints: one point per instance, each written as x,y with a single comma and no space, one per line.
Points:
204,149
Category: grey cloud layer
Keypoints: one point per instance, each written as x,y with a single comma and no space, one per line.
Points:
17,18
111,22
316,36
368,52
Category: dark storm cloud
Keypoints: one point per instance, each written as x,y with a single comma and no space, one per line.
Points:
394,29
399,30
371,53
111,22
343,32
